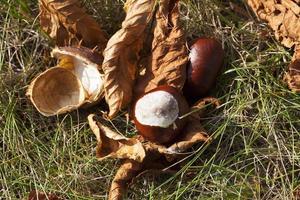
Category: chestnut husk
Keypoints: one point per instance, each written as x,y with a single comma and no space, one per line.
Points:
205,63
159,134
63,88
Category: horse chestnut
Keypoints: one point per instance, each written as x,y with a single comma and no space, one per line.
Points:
156,114
205,62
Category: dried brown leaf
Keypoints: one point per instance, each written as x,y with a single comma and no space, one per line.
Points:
284,18
128,4
150,146
192,134
36,195
122,53
113,145
166,65
68,23
127,171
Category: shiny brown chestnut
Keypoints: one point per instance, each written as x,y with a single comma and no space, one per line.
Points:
157,114
205,63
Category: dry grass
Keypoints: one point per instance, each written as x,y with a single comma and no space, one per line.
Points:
256,148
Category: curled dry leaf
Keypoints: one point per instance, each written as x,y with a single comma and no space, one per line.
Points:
122,53
127,171
36,195
76,81
68,24
167,63
192,134
113,145
131,170
284,18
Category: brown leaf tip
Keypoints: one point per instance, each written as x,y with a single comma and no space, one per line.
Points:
36,195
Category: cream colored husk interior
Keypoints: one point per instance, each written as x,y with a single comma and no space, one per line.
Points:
73,82
56,91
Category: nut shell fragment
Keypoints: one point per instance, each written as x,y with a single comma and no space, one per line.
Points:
74,82
82,53
86,64
51,95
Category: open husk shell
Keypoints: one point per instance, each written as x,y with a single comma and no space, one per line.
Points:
74,82
51,95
